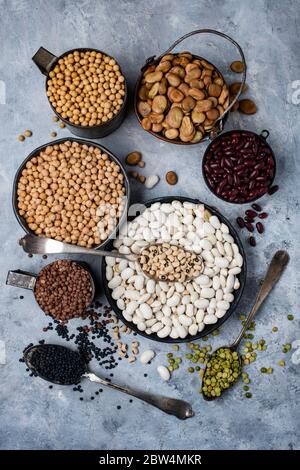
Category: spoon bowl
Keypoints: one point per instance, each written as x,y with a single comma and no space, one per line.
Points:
275,270
43,245
206,398
179,408
28,358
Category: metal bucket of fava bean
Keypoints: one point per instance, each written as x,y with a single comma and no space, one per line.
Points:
63,289
183,98
72,190
86,89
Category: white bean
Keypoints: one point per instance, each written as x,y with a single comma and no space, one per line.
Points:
199,316
229,297
210,319
220,313
189,311
163,372
121,304
146,311
110,261
109,273
174,300
216,282
115,282
131,307
202,280
118,292
164,332
205,244
223,305
221,262
141,326
202,303
207,293
193,329
235,271
156,327
147,356
150,286
185,321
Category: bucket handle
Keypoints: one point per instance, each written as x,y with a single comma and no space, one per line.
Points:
217,33
44,60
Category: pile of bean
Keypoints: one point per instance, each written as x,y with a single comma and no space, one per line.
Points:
63,290
239,166
181,97
248,221
71,192
176,309
86,88
57,364
170,263
222,371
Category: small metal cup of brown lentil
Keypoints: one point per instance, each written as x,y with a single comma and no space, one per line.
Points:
64,289
86,89
71,190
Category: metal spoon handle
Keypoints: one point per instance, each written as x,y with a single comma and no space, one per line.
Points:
43,245
276,268
179,408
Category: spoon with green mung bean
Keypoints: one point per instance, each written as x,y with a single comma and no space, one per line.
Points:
224,366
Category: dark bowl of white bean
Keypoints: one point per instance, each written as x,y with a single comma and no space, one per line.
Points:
240,278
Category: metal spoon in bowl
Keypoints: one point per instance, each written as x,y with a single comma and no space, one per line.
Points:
42,245
179,408
276,268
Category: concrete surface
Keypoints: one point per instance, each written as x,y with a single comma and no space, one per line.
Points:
31,415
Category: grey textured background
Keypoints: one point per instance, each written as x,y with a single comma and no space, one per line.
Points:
31,415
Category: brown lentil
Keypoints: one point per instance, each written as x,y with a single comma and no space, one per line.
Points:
63,290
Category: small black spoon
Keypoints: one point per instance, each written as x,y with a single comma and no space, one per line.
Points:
179,408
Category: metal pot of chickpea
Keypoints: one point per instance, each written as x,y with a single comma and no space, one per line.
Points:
64,203
86,89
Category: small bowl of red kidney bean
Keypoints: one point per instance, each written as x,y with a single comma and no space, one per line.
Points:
239,166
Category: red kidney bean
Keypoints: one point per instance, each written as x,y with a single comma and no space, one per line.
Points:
273,189
263,215
256,207
250,213
259,227
240,222
252,241
249,226
248,219
243,162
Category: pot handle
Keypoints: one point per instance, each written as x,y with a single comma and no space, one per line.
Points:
44,60
21,279
264,134
217,33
